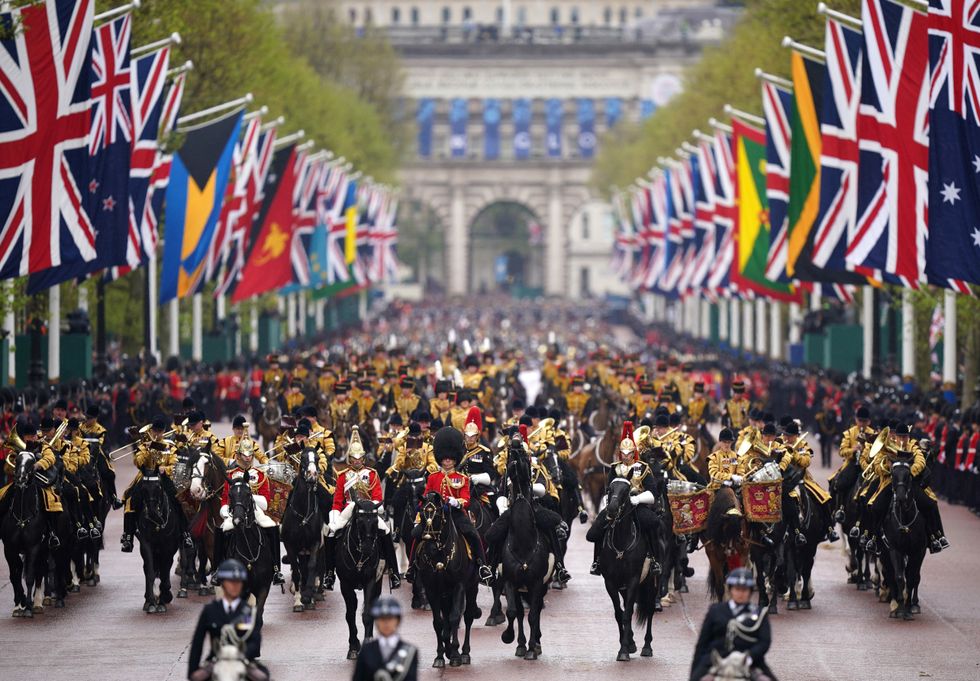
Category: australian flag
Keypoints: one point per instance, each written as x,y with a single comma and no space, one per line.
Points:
953,247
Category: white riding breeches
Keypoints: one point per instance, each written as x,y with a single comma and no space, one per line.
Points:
340,519
261,519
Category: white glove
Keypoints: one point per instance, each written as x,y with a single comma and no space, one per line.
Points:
538,489
480,479
261,502
726,483
223,511
643,498
334,518
502,504
454,502
736,479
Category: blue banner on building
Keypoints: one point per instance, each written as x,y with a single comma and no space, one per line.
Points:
458,118
491,129
522,129
425,116
586,128
553,118
614,111
647,109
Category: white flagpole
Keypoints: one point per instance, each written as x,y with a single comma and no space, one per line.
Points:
748,327
253,333
908,335
949,340
116,11
735,322
54,333
174,321
172,39
776,330
10,326
197,328
151,273
217,109
867,327
760,326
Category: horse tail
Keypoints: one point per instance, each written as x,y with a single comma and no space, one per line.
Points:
646,600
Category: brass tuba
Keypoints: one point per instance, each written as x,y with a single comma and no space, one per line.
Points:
14,442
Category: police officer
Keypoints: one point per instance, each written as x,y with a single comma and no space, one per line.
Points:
229,609
387,657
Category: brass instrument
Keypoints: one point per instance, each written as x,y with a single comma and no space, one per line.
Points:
881,444
14,442
62,427
660,442
132,445
286,441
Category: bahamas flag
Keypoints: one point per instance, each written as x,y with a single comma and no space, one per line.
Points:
341,258
198,180
752,227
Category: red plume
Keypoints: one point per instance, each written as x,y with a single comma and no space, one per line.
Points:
474,416
523,429
627,431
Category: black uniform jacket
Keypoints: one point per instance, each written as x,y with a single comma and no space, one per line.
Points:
712,637
212,618
402,665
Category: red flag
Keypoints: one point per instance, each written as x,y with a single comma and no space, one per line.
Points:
269,266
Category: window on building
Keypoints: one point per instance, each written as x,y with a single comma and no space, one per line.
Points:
415,16
623,15
500,15
574,15
353,15
396,15
555,16
467,14
585,226
638,12
607,15
368,16
447,15
584,284
521,15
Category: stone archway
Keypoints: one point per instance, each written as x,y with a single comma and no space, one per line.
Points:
506,250
458,190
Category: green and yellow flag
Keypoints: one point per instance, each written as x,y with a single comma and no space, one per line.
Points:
752,233
805,146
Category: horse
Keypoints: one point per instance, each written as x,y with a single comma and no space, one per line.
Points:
159,536
208,474
625,569
590,462
92,480
77,507
22,531
814,521
302,535
904,535
248,543
269,421
405,501
448,574
526,557
359,565
860,561
724,541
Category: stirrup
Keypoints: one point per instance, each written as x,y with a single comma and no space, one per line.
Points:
188,540
95,533
855,532
943,542
832,535
328,582
53,541
839,515
127,543
81,533
594,570
800,539
394,581
277,578
486,575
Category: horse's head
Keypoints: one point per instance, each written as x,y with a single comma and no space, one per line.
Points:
364,524
25,469
618,498
432,513
519,467
240,502
902,478
207,473
152,494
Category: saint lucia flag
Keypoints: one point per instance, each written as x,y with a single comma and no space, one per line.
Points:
198,179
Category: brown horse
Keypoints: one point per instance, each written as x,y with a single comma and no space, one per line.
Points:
725,540
269,419
591,461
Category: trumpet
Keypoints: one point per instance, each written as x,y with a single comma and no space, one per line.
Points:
131,446
282,445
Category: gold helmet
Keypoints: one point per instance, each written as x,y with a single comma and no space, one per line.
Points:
627,445
246,449
355,450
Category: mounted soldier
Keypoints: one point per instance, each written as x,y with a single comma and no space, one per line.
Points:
736,408
44,464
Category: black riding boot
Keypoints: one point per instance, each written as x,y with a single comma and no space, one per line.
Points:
791,515
391,558
652,540
219,553
329,562
129,529
273,534
52,518
561,574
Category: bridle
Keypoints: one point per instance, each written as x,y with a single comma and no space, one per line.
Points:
365,555
434,534
157,514
898,507
246,506
610,538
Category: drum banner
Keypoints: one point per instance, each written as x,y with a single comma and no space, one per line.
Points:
762,501
690,511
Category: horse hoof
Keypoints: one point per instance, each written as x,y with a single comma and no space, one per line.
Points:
531,655
203,591
166,597
632,647
319,597
537,648
92,581
161,608
38,610
181,593
17,613
438,663
59,603
46,601
623,657
658,607
426,607
916,610
507,636
494,620
298,608
352,654
805,605
792,605
465,659
455,662
520,652
683,589
893,614
646,652
28,613
74,589
862,586
907,616
147,606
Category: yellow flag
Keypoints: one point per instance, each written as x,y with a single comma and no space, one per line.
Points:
350,242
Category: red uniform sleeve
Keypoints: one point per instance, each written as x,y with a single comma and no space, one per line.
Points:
265,489
432,484
338,495
224,495
376,495
464,492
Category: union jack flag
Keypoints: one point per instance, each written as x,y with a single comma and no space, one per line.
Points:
893,134
332,201
776,105
304,217
953,248
641,210
45,117
385,239
674,241
654,206
625,245
837,215
719,275
704,215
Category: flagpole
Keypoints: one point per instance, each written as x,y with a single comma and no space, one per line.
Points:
867,327
776,330
745,116
839,16
949,341
116,11
197,328
775,80
183,68
261,111
289,139
54,333
811,52
172,39
174,321
735,322
302,312
748,326
217,109
10,327
101,361
723,310
290,316
318,317
253,331
275,122
908,336
761,335
794,323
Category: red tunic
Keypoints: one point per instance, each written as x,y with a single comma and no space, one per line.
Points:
343,493
455,485
257,481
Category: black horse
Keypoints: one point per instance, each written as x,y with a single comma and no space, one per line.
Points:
22,531
625,568
860,561
906,542
448,573
247,542
302,535
814,520
526,558
91,479
159,536
405,502
359,565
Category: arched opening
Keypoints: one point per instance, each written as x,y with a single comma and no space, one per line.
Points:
506,251
422,244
